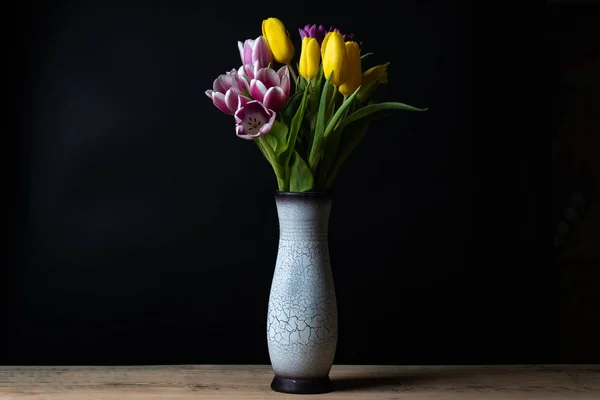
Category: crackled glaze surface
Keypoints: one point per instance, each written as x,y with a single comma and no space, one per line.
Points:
302,314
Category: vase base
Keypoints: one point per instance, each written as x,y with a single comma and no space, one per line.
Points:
302,386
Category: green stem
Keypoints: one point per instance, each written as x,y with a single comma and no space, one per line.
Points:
272,158
293,74
331,105
345,112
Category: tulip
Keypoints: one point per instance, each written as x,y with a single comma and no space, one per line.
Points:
228,92
347,37
310,58
333,54
313,31
271,88
371,78
352,73
254,52
253,119
278,40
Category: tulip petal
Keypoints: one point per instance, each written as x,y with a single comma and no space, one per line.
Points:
314,58
278,40
285,85
267,127
253,120
257,90
231,80
219,101
334,57
247,70
239,132
324,45
303,33
209,93
231,100
245,82
281,72
352,74
268,76
303,60
242,101
219,86
261,53
241,49
275,99
247,57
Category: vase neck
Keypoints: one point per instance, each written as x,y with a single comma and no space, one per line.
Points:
303,217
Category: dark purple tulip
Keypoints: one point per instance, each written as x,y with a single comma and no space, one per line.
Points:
347,37
313,31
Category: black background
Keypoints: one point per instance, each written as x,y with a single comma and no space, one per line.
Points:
145,232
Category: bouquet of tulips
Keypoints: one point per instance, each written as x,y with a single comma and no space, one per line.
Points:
306,130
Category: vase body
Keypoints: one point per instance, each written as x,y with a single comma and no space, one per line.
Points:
302,312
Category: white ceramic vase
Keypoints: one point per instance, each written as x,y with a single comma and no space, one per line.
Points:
302,319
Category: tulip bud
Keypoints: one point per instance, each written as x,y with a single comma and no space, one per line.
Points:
352,69
372,78
333,54
253,51
278,40
310,58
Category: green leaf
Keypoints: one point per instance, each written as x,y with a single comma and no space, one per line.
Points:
301,178
317,144
366,55
315,96
277,137
355,133
338,114
332,144
294,128
271,142
332,138
287,114
302,83
374,108
267,150
333,97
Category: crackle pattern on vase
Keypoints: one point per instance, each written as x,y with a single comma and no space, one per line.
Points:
302,312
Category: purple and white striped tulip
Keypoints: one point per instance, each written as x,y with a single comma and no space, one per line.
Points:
253,119
228,90
271,88
255,53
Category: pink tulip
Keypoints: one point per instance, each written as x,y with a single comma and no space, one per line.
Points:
271,88
253,119
254,52
228,92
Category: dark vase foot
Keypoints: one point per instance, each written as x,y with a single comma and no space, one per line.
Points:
302,386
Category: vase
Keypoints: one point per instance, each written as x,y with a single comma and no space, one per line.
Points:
302,322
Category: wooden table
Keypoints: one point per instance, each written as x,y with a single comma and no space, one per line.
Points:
250,382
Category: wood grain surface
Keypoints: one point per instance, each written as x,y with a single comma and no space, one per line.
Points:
251,382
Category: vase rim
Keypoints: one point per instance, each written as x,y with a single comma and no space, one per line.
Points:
303,194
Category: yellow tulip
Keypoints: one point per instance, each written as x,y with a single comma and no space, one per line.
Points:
352,69
310,58
278,40
370,79
333,53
